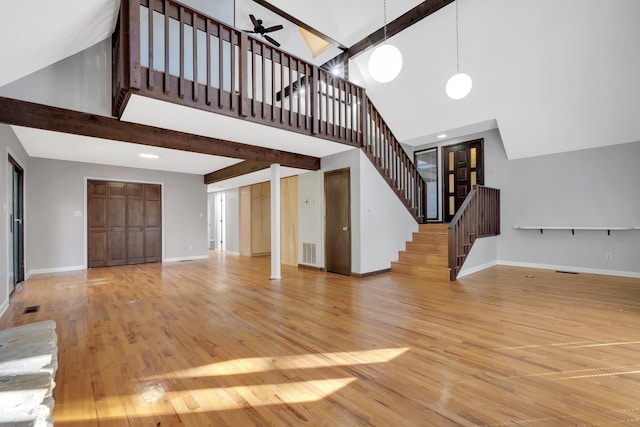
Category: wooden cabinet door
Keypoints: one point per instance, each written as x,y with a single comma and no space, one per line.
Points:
152,223
117,237
97,223
135,224
124,222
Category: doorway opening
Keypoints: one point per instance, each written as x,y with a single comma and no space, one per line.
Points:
15,262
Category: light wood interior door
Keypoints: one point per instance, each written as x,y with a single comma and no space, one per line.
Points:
124,223
338,221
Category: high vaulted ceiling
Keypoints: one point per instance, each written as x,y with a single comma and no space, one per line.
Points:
552,75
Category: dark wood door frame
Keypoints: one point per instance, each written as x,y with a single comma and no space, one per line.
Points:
467,172
337,233
157,222
16,223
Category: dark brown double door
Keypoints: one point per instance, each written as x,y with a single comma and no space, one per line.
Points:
124,223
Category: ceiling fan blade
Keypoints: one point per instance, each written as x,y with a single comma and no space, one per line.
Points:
272,41
274,28
249,31
254,21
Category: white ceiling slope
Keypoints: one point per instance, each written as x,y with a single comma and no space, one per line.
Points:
556,76
38,33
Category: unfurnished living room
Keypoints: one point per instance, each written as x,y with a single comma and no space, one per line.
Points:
252,213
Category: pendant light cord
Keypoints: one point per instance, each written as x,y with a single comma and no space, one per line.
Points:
384,9
457,42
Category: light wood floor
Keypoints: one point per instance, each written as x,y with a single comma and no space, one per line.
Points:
215,343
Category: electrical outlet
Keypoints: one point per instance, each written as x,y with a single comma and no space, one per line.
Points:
608,255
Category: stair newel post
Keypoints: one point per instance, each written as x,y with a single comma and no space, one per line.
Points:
131,31
244,74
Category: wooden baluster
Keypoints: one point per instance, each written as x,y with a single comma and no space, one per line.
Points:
273,85
282,88
340,108
194,25
290,90
182,43
208,56
243,78
150,69
233,39
263,70
299,84
253,76
167,74
221,68
313,97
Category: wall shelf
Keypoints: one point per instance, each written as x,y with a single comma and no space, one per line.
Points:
573,229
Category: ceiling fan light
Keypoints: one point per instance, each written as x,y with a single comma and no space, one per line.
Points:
459,86
385,63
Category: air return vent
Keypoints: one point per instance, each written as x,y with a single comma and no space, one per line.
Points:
309,253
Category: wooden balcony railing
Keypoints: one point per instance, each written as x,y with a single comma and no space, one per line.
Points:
479,216
167,51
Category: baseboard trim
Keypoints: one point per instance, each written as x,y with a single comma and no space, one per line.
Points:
466,272
4,306
310,267
54,270
186,258
371,273
574,269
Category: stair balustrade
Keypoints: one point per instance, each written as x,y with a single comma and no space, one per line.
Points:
479,216
164,50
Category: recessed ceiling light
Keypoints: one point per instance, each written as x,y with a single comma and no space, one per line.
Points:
148,156
335,71
442,135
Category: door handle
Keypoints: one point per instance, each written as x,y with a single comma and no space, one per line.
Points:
345,228
19,221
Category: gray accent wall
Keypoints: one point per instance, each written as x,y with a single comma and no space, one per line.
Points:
81,82
56,212
9,145
592,187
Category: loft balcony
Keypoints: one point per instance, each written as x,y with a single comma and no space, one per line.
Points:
168,52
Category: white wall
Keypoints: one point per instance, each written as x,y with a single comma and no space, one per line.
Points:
232,227
380,224
81,82
56,189
311,214
9,145
592,187
222,10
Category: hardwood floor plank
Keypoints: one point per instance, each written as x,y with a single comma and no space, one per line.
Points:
216,343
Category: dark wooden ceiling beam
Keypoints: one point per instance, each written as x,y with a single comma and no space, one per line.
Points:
38,116
299,23
239,169
394,27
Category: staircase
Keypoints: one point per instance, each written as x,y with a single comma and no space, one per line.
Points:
426,256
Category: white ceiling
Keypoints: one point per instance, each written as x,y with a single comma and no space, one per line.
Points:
552,75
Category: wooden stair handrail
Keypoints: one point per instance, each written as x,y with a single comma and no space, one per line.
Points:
253,81
479,216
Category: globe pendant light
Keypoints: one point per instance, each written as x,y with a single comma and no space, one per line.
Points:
460,84
385,62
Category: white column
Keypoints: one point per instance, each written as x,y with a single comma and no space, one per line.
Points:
275,221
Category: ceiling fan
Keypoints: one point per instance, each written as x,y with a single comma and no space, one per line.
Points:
258,28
